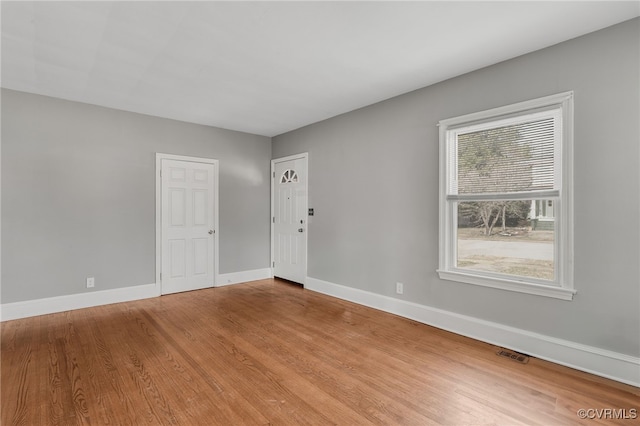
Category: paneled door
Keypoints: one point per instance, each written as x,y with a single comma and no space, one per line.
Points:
188,232
289,204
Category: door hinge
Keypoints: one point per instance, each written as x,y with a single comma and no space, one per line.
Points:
274,175
273,264
160,276
160,172
274,219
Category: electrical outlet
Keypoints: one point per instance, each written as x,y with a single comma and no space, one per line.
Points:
91,282
399,288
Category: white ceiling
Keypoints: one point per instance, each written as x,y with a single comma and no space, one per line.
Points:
270,67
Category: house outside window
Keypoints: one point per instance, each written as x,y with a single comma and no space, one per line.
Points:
506,197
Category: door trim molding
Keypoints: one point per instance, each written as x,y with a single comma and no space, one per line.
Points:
305,156
216,163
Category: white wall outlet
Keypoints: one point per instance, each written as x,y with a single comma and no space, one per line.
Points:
399,288
91,282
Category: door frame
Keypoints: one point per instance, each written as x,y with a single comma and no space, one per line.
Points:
305,157
216,225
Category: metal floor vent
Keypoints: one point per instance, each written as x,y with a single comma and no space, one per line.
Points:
516,356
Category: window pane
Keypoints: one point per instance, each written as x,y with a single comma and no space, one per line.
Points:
507,237
507,159
289,176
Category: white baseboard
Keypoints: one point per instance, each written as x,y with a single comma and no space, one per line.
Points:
50,305
601,362
243,276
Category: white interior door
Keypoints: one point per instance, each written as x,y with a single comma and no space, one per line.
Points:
188,225
290,208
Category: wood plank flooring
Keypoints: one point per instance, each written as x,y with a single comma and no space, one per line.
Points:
269,352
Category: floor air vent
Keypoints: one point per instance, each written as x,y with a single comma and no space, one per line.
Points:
518,357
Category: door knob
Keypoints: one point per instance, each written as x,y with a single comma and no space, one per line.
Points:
300,230
210,231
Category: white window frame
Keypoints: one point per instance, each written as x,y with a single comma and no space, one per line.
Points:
562,286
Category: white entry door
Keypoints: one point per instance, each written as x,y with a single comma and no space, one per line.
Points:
289,204
188,225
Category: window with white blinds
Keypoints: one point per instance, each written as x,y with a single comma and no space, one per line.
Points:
506,204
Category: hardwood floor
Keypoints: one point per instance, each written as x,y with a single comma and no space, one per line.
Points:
269,352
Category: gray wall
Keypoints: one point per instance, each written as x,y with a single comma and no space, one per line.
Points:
373,176
78,195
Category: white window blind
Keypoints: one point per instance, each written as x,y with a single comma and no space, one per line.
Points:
515,159
507,159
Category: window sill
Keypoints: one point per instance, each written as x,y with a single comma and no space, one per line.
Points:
510,285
